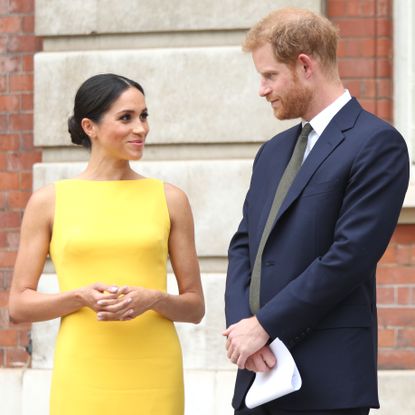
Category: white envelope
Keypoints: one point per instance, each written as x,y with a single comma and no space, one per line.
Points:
281,380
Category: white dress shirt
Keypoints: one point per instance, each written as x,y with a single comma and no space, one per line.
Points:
322,119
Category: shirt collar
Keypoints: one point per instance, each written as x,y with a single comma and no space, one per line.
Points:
323,118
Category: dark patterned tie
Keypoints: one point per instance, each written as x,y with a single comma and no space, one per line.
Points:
286,180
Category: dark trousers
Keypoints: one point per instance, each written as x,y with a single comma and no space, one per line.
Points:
266,410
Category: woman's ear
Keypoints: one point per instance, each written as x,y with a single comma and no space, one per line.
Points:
89,127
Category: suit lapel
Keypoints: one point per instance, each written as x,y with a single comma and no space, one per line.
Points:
331,138
284,152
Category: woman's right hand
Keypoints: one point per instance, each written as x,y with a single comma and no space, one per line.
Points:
91,294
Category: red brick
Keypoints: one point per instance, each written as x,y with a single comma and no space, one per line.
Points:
357,27
2,202
9,181
3,83
3,122
384,88
4,6
17,357
386,338
3,42
396,359
10,24
13,240
18,199
368,104
9,103
4,299
384,108
384,47
21,82
22,6
24,336
8,337
396,317
404,234
404,295
3,244
395,275
357,47
9,64
22,161
385,295
404,254
22,43
353,85
27,63
368,88
9,220
357,68
342,8
4,319
21,122
384,27
7,259
389,257
9,142
3,162
26,181
406,338
5,279
27,142
28,24
26,101
383,68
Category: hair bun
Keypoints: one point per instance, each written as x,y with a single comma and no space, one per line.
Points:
77,133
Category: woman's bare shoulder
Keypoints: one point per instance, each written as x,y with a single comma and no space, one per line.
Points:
42,201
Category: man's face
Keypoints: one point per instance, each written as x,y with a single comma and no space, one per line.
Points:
281,85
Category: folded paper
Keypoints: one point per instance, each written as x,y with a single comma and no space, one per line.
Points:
281,380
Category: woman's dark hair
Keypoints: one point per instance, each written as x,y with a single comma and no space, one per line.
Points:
93,98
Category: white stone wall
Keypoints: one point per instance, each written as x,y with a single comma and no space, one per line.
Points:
207,122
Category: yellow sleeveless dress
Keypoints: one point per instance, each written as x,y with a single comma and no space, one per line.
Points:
115,232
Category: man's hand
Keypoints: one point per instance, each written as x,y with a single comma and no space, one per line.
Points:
261,361
244,339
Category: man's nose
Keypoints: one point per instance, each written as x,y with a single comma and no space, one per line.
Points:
264,89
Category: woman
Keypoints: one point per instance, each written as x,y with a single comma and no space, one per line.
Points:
109,232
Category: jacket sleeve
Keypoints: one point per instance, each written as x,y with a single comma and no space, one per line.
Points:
239,267
371,205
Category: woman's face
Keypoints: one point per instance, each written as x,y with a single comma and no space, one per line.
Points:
122,130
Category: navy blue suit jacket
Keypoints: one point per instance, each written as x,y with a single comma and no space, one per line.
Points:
318,288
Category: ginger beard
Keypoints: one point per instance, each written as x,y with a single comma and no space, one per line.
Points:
295,102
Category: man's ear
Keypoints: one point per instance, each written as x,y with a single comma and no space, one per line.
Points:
305,65
89,127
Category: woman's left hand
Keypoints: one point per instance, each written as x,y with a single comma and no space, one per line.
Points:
131,302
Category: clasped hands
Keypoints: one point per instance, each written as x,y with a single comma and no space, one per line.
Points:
112,303
246,346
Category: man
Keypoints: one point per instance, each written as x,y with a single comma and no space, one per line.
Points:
334,218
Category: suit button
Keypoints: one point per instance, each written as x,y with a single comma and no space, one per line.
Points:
297,339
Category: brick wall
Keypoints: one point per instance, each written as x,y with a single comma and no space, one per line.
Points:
365,61
17,155
366,67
